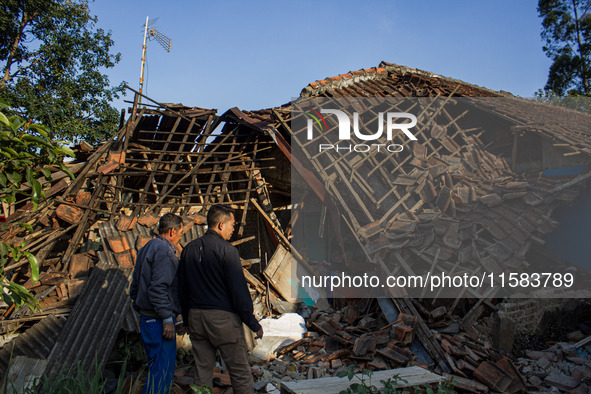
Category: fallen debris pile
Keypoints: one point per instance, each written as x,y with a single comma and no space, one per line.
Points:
350,337
461,199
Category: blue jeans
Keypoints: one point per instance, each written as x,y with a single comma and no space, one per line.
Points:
161,356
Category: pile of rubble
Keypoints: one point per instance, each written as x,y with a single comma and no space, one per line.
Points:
565,366
354,335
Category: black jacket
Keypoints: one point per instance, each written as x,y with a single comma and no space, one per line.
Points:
210,277
154,284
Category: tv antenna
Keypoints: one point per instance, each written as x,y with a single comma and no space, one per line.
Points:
152,34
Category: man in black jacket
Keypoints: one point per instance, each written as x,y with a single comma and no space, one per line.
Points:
155,296
215,301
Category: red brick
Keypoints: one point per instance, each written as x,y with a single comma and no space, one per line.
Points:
126,223
198,218
124,259
117,244
70,214
117,157
108,167
149,220
141,241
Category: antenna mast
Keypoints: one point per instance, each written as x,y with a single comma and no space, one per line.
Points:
163,40
143,59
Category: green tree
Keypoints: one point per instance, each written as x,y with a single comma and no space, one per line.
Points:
27,152
52,62
566,28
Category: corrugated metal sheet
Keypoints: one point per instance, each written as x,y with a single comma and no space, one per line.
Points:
36,342
92,327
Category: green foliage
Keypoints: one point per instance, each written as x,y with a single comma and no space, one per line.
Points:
26,154
52,58
443,387
80,383
566,28
577,103
365,386
200,389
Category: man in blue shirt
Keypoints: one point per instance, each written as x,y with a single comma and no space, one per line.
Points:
155,296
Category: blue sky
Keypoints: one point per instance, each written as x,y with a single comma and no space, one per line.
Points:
260,54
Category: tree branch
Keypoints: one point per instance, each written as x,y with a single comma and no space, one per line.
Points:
11,55
580,49
21,69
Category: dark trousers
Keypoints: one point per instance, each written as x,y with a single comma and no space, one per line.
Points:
161,356
212,329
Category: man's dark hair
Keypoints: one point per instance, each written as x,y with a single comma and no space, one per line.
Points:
218,213
169,221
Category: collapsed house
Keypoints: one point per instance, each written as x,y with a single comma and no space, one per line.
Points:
461,198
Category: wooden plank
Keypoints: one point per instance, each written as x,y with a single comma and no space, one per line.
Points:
253,281
82,228
160,157
279,274
286,242
362,205
424,334
466,384
414,376
97,155
570,183
187,175
582,342
249,186
393,355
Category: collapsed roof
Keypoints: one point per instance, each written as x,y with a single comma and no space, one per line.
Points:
457,199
